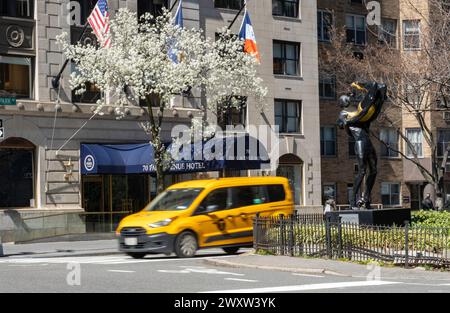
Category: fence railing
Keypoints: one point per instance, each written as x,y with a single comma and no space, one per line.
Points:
314,236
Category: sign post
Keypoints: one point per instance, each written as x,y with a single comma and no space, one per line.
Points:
2,130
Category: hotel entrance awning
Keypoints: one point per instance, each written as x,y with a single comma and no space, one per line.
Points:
139,158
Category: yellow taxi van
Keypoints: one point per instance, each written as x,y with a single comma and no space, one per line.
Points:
202,214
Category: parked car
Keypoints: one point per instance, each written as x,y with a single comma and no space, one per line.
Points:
204,214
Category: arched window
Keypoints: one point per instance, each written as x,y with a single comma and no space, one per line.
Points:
291,167
16,173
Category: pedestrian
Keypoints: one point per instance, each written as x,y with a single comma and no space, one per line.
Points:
427,203
330,205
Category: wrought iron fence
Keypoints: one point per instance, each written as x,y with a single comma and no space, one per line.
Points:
314,236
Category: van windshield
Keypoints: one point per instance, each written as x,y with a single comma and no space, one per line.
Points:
174,200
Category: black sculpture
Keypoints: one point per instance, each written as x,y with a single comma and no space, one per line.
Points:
357,124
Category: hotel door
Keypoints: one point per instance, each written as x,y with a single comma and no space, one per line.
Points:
94,203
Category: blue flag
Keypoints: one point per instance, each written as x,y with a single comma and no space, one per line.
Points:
173,52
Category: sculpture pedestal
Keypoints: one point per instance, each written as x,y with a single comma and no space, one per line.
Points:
383,217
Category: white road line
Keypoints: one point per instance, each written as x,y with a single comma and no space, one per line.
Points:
103,260
241,279
308,275
121,271
369,283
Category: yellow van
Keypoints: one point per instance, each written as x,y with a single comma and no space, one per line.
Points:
204,214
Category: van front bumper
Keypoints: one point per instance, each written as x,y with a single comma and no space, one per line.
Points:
154,243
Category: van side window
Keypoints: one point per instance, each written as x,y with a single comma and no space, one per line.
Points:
276,193
242,196
217,198
253,195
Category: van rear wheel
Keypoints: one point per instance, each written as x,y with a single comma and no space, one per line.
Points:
186,245
137,255
231,250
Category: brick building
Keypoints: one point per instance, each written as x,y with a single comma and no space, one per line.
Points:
399,182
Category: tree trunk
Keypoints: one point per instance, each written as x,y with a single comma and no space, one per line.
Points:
158,147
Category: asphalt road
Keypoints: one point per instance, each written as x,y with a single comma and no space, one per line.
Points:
120,273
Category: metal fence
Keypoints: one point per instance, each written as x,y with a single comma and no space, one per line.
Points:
314,236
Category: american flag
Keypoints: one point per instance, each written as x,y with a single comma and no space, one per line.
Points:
99,21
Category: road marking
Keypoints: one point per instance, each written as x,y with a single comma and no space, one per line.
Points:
369,283
100,260
241,279
308,275
121,271
199,270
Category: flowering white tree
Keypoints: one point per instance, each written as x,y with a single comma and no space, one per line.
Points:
139,65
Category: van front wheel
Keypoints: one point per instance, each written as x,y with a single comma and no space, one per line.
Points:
186,245
231,250
137,255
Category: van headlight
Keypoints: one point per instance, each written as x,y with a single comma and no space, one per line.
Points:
162,223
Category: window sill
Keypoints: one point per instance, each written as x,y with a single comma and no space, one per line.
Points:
226,10
388,158
298,135
293,77
327,98
287,18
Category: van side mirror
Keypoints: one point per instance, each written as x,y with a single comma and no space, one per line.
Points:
211,208
206,210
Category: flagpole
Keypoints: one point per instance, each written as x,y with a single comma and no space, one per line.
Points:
57,78
173,5
237,15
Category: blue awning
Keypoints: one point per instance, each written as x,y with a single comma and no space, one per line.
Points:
198,157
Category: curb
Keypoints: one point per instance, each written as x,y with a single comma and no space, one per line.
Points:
264,267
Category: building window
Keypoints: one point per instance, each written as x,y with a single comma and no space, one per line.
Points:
329,192
229,4
154,7
390,194
286,58
90,95
16,77
389,145
328,141
324,25
232,113
288,8
17,8
356,29
288,115
327,86
443,141
17,173
414,136
411,35
388,32
86,7
349,193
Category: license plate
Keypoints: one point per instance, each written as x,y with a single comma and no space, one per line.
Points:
131,241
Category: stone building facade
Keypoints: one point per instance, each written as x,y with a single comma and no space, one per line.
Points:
44,165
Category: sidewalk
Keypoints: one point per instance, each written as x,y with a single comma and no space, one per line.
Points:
61,249
327,267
